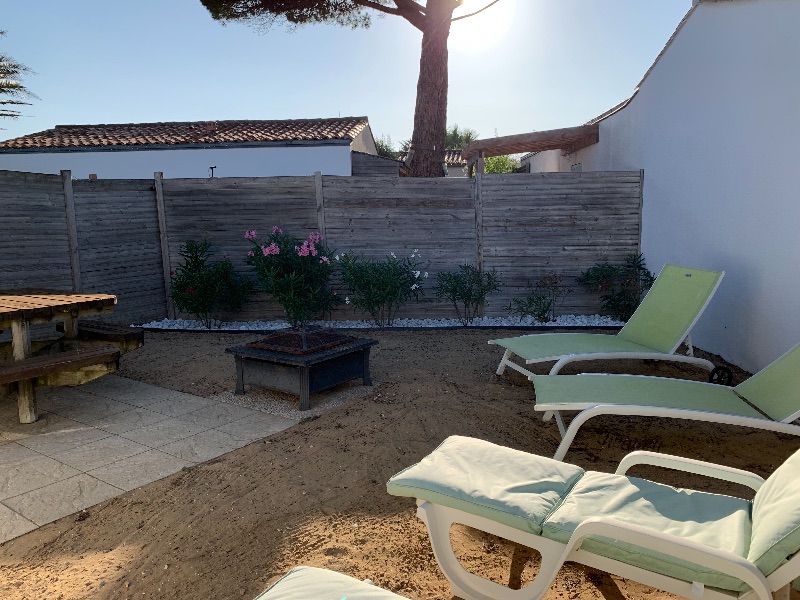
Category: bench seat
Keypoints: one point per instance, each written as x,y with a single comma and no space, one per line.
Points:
51,369
124,337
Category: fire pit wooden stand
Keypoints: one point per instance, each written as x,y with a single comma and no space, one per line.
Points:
302,371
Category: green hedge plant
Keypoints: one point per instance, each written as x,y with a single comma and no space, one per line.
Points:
295,273
467,289
380,287
204,288
621,286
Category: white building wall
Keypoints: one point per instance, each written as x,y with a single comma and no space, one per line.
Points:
180,163
716,128
548,161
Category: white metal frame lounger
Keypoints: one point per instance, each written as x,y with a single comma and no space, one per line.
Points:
693,544
768,400
656,330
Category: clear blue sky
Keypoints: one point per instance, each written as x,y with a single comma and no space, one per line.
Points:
557,64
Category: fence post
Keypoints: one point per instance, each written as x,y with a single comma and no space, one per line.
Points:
158,177
641,207
72,231
478,191
320,203
478,186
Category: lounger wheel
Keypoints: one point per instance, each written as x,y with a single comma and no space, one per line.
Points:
721,376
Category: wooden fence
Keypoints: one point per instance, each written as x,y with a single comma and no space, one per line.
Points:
124,236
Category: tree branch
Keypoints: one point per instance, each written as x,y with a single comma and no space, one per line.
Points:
472,14
410,10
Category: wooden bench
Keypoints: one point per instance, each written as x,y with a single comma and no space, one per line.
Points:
124,337
51,369
73,367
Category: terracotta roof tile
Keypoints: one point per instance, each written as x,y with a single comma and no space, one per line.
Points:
198,132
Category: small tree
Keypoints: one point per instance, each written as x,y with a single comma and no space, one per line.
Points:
296,273
499,164
467,290
542,299
457,139
385,147
203,288
380,288
622,287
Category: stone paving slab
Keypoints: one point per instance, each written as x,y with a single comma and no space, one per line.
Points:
140,469
62,498
109,436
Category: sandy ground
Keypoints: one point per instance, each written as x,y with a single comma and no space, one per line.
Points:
315,493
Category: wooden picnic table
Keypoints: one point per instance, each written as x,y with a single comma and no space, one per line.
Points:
19,309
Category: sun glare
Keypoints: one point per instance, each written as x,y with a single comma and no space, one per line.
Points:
482,31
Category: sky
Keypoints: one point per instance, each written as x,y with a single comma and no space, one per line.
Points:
520,66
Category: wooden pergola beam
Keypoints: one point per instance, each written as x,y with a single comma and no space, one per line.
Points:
569,138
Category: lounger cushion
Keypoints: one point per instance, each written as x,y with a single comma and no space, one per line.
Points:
304,583
576,392
776,517
552,346
719,521
508,486
669,309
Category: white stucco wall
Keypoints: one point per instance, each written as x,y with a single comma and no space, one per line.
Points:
178,163
548,161
716,128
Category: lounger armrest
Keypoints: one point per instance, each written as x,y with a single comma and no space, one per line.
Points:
664,543
690,465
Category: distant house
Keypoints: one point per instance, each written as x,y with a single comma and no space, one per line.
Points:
715,125
197,149
454,164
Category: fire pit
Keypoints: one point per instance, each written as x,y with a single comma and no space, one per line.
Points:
302,362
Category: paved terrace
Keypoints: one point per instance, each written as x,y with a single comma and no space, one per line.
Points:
96,441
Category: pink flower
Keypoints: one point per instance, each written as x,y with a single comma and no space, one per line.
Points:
324,260
250,253
315,238
250,234
270,250
277,230
304,250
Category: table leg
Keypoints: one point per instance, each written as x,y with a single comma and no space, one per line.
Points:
239,375
366,378
305,375
70,328
26,394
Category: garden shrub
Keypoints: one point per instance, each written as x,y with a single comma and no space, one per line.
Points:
542,299
380,287
203,288
621,286
295,273
467,289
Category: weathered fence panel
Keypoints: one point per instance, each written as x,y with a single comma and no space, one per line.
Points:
562,222
130,232
220,210
373,217
119,246
34,250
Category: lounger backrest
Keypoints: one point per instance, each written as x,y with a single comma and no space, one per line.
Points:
775,534
775,389
671,307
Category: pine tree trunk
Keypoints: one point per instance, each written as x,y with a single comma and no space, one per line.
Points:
430,114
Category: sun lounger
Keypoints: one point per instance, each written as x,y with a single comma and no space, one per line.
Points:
769,400
656,330
311,583
690,543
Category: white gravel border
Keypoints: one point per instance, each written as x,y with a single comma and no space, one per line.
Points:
562,321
